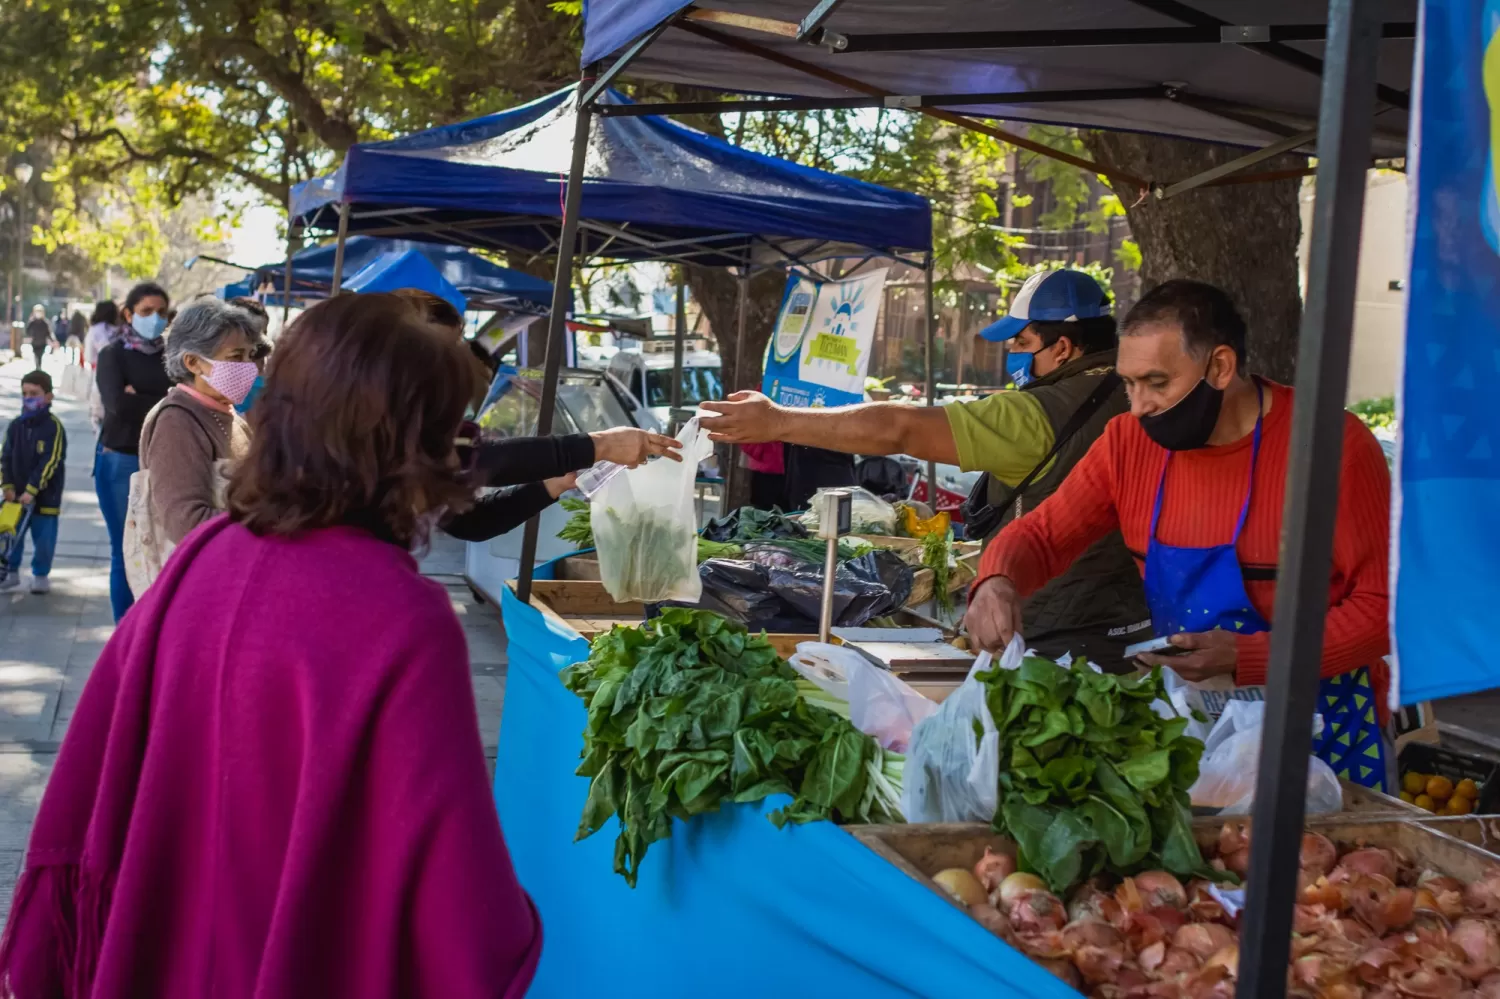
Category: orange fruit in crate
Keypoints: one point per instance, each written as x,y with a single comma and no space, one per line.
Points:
1458,805
1425,802
1440,789
1414,782
1408,797
1468,789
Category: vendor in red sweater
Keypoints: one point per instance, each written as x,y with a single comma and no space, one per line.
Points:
1194,478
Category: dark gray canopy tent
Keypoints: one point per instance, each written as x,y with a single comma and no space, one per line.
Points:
1273,75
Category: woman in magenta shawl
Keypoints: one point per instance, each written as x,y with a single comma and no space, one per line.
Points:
274,784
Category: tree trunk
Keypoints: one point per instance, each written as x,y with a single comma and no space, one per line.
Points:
1241,237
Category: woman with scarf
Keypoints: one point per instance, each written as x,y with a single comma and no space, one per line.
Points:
194,433
274,783
132,379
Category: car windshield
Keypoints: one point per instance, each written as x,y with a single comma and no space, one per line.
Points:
698,385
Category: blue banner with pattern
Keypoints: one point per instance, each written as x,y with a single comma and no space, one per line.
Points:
1447,558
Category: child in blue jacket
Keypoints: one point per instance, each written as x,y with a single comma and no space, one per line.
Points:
31,471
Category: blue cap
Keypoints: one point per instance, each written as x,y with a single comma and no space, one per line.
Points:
1058,296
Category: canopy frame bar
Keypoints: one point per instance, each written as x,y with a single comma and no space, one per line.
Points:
1347,122
904,101
1212,174
1179,11
811,27
626,58
1224,33
557,319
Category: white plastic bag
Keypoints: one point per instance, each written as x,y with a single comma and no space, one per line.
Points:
881,705
646,526
1185,698
1231,760
950,776
868,513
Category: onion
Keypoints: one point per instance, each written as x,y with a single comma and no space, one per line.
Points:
1178,962
961,885
1037,911
1483,896
1480,942
1227,958
1238,862
1158,888
1489,987
1428,981
1447,894
1204,907
1151,957
1233,837
1318,854
1321,892
1013,886
1202,940
993,868
1098,949
1062,969
1370,860
1089,901
991,919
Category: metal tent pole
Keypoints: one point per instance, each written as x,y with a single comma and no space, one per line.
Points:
557,319
1345,125
734,473
293,240
338,249
679,340
931,383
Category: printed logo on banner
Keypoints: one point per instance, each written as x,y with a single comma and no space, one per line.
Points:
823,339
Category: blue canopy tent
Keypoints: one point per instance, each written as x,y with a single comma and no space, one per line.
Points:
408,269
653,189
483,283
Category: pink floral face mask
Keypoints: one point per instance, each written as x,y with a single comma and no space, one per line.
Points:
232,379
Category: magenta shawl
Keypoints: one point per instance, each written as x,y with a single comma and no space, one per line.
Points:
274,787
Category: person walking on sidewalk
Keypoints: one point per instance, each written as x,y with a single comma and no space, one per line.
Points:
38,333
194,435
31,471
132,379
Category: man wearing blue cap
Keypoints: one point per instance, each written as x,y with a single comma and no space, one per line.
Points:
1061,337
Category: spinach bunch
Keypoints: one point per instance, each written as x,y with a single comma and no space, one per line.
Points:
1091,778
645,554
689,711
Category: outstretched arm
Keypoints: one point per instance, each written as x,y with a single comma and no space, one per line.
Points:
871,428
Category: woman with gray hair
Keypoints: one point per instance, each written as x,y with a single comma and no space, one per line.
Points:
194,433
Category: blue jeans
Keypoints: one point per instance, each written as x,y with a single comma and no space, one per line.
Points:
112,472
43,530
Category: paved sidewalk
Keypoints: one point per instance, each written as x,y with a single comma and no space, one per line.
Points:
48,644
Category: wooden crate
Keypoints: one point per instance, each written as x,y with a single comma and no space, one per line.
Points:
1482,831
1363,800
923,850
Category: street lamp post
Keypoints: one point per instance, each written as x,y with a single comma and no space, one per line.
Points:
23,174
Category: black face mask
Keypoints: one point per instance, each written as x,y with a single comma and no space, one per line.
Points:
1190,422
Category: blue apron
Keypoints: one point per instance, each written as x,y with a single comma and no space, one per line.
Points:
1200,589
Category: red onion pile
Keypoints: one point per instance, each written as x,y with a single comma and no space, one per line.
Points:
1369,924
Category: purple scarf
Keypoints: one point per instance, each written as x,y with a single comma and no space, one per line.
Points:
274,786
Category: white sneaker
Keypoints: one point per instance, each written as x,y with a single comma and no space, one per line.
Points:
40,584
10,582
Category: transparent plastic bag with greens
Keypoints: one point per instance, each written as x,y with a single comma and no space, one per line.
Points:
645,525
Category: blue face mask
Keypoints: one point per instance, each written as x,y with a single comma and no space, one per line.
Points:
1018,365
33,404
148,327
260,383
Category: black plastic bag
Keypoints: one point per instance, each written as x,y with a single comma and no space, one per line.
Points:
750,524
874,584
741,591
789,598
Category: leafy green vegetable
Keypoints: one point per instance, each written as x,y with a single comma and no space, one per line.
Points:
579,529
645,554
1091,777
816,549
689,711
718,549
937,554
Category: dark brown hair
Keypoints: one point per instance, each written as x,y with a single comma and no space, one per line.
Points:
353,427
438,310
